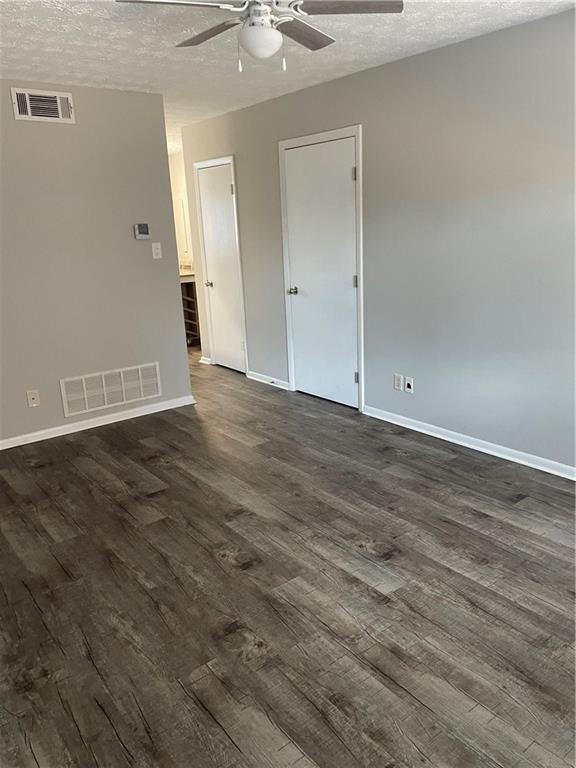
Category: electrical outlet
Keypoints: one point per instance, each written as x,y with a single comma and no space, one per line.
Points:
33,398
409,385
156,250
398,382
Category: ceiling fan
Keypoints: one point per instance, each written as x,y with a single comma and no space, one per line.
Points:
264,22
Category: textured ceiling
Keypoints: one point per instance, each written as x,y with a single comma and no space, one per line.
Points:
105,44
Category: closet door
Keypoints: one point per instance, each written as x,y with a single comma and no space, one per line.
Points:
320,229
222,275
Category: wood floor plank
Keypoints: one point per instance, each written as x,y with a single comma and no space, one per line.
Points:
269,580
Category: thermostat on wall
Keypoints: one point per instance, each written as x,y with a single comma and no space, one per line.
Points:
141,231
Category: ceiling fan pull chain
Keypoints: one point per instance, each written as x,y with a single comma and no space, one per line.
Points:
284,67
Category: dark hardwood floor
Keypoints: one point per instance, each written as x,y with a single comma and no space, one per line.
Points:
268,580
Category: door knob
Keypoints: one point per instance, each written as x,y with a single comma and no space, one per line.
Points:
293,291
209,284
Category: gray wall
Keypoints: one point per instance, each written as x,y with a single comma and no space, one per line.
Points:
468,229
78,292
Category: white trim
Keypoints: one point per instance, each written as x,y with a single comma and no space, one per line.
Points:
355,132
268,380
206,360
349,131
286,264
214,163
97,421
360,266
519,457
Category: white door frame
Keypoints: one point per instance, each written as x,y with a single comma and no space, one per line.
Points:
212,163
352,131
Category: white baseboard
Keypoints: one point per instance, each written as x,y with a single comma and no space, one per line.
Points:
205,360
97,421
268,380
529,460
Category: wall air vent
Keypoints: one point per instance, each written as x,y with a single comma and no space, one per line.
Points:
95,391
47,106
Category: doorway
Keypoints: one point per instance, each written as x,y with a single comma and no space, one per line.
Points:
220,253
322,238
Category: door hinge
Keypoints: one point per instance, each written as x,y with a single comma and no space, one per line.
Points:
356,377
355,281
354,173
231,189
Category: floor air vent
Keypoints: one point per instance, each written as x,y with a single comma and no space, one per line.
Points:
50,106
95,391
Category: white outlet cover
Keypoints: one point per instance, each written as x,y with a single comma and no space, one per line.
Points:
156,250
398,382
409,385
33,398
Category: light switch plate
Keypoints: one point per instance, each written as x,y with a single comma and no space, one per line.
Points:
409,385
156,250
398,382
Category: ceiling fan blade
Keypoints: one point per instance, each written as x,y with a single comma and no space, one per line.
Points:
305,34
194,3
327,7
209,33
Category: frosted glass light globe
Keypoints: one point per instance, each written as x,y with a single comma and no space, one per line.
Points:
259,41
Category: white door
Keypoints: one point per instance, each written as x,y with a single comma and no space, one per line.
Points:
222,275
320,228
185,261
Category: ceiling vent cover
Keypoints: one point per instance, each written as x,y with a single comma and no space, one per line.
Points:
94,391
46,106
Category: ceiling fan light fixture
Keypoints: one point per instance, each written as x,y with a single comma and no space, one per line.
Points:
261,42
259,35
